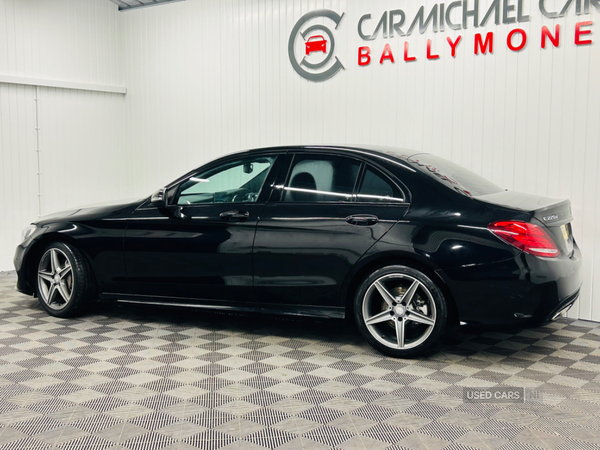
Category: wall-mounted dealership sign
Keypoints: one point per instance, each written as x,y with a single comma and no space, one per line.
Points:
315,71
311,45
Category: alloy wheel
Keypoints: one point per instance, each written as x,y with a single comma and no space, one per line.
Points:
399,311
55,279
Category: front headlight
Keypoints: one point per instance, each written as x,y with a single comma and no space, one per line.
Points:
27,232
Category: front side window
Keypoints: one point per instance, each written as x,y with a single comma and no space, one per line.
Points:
235,182
321,179
376,187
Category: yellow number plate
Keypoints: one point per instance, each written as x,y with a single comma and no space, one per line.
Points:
565,232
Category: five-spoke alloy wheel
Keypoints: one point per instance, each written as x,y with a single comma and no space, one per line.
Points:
63,282
400,311
55,279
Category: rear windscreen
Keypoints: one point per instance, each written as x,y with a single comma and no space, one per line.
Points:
457,177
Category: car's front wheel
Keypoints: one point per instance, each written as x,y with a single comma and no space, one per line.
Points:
400,311
64,284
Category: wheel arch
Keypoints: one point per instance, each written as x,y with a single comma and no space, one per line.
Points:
35,252
364,268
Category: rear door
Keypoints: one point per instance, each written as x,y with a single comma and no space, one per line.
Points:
324,214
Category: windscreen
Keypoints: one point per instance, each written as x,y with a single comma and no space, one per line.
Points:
457,177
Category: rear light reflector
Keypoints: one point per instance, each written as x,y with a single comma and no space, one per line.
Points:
527,237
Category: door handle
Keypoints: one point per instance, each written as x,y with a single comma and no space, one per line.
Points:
235,216
362,219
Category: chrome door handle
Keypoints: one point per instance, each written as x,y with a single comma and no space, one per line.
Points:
235,216
362,219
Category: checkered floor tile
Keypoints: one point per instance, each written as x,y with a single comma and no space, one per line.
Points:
135,377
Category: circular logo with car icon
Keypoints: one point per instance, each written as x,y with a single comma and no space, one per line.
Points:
316,44
311,47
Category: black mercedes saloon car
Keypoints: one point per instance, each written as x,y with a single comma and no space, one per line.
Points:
406,243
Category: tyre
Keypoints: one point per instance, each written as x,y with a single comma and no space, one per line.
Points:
400,311
64,283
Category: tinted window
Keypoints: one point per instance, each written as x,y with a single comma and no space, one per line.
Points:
455,176
321,179
235,182
376,187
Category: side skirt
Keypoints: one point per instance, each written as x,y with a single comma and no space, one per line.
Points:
328,312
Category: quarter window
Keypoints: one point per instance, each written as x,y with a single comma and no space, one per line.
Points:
375,187
235,182
321,179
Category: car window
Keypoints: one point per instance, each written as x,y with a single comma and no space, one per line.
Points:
236,182
321,179
376,187
455,176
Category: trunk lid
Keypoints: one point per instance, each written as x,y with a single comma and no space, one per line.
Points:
554,214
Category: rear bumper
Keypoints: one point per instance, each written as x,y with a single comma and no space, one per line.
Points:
562,308
525,290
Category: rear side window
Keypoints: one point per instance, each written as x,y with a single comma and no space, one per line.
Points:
321,179
376,187
455,176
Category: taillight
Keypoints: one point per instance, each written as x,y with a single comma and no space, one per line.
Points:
527,237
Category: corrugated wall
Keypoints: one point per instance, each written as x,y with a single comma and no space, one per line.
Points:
80,132
18,169
70,40
207,77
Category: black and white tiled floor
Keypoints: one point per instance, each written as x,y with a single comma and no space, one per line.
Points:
136,378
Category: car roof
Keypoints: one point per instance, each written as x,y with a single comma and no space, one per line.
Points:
392,154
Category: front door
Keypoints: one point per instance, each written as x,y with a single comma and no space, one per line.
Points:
204,250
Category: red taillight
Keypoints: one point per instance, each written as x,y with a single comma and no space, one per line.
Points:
527,237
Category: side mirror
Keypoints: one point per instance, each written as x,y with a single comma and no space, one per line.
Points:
159,198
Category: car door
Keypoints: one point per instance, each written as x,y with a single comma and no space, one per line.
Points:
324,214
200,246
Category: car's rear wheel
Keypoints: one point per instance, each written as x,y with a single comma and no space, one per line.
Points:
400,311
64,284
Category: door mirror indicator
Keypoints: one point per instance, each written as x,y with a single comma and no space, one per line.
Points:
159,198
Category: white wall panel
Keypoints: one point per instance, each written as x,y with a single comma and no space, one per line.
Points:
82,155
74,40
18,168
209,77
80,136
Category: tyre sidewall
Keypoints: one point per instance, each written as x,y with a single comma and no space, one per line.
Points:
438,298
